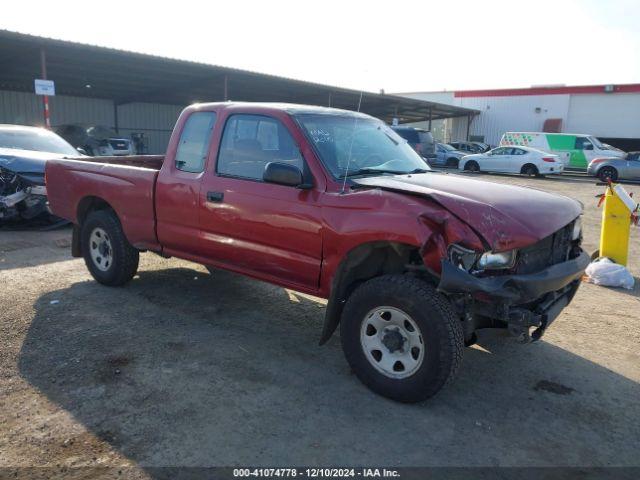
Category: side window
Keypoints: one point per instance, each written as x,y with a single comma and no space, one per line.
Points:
583,144
249,142
194,142
518,151
499,151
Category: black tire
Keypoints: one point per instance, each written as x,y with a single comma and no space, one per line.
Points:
608,173
124,258
441,332
452,162
472,166
530,170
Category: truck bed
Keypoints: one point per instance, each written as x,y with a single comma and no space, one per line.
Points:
126,184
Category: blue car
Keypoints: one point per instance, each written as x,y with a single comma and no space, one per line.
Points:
447,156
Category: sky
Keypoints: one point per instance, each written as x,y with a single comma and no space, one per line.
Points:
399,46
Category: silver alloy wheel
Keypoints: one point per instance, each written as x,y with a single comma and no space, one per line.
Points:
100,249
392,342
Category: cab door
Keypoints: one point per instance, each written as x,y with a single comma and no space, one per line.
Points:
267,230
178,184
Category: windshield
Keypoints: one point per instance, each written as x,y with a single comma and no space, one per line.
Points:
444,146
350,145
38,140
597,143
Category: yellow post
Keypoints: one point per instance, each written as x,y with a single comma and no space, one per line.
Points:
616,224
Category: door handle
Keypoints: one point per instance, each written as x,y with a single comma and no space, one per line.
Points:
215,196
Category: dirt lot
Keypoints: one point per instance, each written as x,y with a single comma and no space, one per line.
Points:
185,368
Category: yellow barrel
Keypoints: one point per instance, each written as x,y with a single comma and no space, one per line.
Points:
616,226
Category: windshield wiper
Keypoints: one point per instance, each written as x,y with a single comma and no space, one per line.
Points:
367,171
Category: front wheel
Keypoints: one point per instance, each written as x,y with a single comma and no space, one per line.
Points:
452,162
401,337
607,174
109,256
472,166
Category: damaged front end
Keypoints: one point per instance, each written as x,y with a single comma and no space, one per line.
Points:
22,196
523,290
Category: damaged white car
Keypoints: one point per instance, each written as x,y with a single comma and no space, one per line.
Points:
24,152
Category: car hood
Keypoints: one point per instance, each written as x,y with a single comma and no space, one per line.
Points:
29,164
505,216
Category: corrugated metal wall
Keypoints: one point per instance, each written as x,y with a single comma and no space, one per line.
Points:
522,113
605,115
154,120
614,115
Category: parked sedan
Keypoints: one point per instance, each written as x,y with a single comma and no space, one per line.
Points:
23,154
523,160
447,156
626,168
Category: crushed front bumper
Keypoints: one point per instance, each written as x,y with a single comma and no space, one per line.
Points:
521,302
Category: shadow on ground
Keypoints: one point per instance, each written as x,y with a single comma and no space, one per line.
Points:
182,368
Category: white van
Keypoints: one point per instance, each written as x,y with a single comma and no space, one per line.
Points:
575,150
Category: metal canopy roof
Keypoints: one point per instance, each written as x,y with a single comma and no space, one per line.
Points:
127,77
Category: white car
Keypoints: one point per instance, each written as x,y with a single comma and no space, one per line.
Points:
524,160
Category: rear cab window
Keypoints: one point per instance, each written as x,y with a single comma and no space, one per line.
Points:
194,142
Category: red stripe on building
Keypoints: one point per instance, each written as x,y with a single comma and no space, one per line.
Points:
510,92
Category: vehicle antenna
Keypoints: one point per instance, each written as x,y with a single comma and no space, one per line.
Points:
355,124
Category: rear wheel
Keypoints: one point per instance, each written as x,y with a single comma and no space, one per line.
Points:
401,337
472,166
452,162
529,170
109,256
608,173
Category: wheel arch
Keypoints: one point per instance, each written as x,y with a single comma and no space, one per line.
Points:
362,263
85,206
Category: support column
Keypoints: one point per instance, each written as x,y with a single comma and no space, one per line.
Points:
330,99
469,118
430,118
226,87
45,98
115,117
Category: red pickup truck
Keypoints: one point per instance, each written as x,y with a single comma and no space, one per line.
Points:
335,204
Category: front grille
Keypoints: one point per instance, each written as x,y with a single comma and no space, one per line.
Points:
119,144
551,250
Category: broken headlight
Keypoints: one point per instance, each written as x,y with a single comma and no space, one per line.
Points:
462,257
497,261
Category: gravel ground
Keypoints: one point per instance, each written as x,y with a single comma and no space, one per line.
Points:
184,368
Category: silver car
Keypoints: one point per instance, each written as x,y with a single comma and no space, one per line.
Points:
625,168
447,156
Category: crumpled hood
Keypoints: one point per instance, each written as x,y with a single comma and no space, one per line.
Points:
25,161
506,216
28,164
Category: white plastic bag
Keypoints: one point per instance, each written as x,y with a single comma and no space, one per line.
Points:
609,274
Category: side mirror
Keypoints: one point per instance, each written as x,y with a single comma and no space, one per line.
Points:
587,146
284,174
81,150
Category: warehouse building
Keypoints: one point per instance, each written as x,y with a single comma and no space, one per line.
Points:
134,93
609,112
